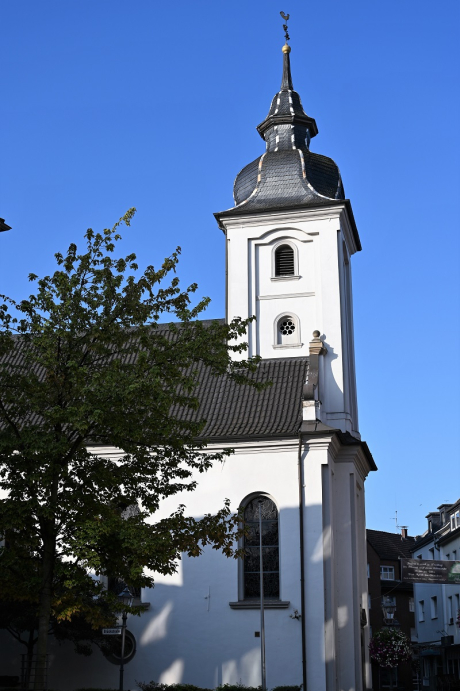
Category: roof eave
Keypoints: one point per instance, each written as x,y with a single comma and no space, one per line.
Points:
220,216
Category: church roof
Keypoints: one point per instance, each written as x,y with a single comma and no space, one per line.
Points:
288,174
234,411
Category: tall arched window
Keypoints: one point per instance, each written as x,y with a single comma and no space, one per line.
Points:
270,549
284,261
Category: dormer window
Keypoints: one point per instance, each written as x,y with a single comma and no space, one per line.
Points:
284,261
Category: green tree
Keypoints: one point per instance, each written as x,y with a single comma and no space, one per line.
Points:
84,364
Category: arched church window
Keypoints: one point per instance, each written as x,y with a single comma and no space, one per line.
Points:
287,330
284,261
270,549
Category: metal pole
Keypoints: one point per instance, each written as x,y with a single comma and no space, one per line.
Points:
123,629
262,619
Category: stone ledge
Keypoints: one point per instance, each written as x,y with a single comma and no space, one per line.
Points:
255,604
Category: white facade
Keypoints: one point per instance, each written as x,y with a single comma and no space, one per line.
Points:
191,634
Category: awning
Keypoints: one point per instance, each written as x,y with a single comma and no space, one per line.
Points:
430,651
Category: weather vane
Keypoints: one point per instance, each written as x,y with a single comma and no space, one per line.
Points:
285,26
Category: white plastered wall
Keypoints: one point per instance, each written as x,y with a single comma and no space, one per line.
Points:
319,295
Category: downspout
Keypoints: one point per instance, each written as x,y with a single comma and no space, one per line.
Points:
302,568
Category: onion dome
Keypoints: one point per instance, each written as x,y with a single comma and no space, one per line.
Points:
288,174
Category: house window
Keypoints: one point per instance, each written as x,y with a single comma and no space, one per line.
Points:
421,610
270,549
457,519
387,573
369,601
434,607
450,610
452,521
411,604
368,571
284,261
287,331
388,677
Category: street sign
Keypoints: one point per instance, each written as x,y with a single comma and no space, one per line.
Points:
112,632
430,571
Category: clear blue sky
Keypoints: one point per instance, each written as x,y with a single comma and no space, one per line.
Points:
108,104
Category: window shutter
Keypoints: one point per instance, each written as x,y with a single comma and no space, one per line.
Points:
284,261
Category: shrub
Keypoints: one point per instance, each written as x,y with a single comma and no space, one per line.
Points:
287,688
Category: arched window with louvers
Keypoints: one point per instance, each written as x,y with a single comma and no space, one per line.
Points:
285,261
270,549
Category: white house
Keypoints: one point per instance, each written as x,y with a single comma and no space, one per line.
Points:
289,240
437,613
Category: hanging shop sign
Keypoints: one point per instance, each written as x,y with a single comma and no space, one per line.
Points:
430,571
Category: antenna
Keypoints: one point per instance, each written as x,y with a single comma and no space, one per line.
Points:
285,26
395,519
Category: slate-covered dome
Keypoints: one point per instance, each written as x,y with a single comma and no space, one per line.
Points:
288,174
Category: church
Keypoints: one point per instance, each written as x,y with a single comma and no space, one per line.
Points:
298,454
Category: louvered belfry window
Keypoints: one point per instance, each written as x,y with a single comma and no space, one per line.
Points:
284,261
270,549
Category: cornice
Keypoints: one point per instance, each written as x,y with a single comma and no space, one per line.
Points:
339,209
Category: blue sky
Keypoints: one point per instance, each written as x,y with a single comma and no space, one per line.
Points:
108,104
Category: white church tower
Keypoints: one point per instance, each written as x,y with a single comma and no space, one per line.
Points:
289,242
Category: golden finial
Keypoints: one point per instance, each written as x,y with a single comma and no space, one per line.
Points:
286,48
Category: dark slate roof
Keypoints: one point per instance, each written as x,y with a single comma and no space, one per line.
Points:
233,411
282,179
390,545
288,175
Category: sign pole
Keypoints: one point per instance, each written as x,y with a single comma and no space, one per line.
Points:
123,631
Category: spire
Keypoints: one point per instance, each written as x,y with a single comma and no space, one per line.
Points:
286,82
286,115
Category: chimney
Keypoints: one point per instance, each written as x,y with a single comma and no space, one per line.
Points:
404,530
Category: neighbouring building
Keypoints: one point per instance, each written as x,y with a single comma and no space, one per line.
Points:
391,602
438,606
289,242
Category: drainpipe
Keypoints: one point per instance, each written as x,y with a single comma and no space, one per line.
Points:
302,568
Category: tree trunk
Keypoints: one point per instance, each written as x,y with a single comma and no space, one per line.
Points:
44,610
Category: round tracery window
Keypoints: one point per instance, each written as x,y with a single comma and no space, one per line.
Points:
287,326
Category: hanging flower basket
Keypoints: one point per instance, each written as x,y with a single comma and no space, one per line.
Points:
389,647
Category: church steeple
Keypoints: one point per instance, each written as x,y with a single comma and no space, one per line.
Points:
286,83
288,174
287,124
